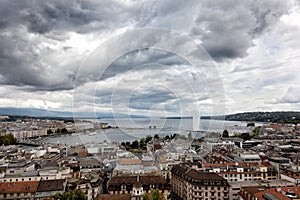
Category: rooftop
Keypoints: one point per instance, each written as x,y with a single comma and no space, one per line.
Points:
51,185
18,187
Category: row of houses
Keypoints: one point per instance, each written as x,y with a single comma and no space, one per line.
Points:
31,189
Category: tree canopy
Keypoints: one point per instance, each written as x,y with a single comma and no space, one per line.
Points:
76,194
8,139
154,195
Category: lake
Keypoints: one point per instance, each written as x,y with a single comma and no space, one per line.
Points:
136,128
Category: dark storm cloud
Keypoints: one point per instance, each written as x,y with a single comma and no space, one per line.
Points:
145,100
225,28
13,62
24,61
140,60
80,16
21,65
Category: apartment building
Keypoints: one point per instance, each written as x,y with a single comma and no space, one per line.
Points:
190,184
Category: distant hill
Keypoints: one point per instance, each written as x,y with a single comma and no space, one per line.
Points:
43,113
287,117
33,112
280,116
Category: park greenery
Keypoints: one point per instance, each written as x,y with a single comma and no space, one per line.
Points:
141,145
244,136
76,194
138,146
8,139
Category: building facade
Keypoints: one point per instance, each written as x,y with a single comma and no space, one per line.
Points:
188,183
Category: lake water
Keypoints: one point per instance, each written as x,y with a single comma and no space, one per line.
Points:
136,128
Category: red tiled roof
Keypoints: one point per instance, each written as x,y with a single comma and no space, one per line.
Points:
295,189
273,192
18,187
280,194
126,161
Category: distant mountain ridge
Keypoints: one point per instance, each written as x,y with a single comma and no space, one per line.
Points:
279,116
35,112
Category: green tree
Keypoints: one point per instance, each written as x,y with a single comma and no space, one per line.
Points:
156,195
76,194
250,124
167,137
8,139
190,136
135,144
225,134
142,144
49,132
146,197
64,131
245,136
256,130
148,139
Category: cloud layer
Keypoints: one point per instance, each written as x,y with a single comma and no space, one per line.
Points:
255,47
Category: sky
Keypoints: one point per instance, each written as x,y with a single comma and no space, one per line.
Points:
151,57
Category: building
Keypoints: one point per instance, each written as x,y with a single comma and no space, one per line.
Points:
138,185
188,183
48,188
265,193
243,171
212,143
18,190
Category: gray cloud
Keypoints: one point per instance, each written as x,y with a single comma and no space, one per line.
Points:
149,98
80,16
227,28
292,96
36,54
